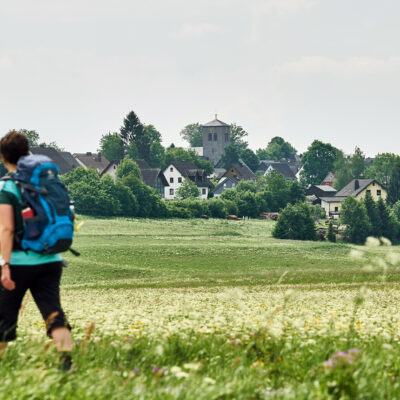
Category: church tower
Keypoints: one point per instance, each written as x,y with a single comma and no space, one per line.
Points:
216,136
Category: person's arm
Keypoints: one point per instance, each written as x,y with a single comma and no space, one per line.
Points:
6,243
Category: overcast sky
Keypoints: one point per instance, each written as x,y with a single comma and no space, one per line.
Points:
300,69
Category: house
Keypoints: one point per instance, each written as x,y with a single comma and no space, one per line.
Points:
178,171
281,167
152,177
240,171
226,183
357,188
92,160
64,160
314,193
156,179
329,179
216,136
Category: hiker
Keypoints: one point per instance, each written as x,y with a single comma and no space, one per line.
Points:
26,269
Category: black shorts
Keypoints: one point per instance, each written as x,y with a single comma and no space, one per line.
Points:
44,283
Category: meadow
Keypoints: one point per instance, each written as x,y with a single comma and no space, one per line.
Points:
196,309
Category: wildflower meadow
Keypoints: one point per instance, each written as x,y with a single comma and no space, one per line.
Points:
215,310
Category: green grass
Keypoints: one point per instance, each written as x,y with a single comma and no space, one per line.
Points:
139,278
191,253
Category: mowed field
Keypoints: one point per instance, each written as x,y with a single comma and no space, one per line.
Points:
195,309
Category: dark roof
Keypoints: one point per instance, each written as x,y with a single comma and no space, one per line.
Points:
142,164
191,171
63,162
93,160
69,158
326,188
280,167
246,174
150,176
216,122
355,187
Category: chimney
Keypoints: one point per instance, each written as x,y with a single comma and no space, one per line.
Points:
356,184
88,153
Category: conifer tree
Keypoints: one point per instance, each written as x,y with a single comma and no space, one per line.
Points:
394,185
373,215
386,220
331,235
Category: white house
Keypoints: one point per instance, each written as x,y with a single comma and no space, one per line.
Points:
178,171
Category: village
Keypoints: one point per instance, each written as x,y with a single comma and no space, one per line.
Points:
216,137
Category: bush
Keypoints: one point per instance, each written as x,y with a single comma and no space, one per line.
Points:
247,204
295,222
231,207
217,208
178,209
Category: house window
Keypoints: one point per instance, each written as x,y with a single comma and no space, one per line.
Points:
179,180
171,180
336,209
215,137
203,191
224,185
233,185
171,170
210,136
368,191
373,183
226,137
171,192
379,192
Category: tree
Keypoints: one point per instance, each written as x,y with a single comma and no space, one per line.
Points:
295,222
231,155
277,149
373,215
193,134
382,168
250,159
354,216
395,212
387,220
156,155
32,136
132,151
393,194
357,164
237,137
128,167
343,174
331,235
178,154
187,190
133,130
318,161
112,147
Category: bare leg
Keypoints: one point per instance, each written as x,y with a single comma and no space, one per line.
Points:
3,346
62,339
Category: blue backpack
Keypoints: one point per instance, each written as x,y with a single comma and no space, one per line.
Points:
51,229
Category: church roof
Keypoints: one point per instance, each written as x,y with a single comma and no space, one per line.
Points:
216,122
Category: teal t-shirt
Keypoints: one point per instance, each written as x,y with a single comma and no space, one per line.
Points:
10,194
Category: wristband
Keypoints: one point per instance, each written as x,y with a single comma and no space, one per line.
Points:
5,263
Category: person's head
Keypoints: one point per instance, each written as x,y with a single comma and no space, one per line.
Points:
13,145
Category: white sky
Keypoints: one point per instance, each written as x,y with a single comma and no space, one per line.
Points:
300,69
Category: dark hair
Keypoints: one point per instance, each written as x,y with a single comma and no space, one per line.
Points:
13,146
